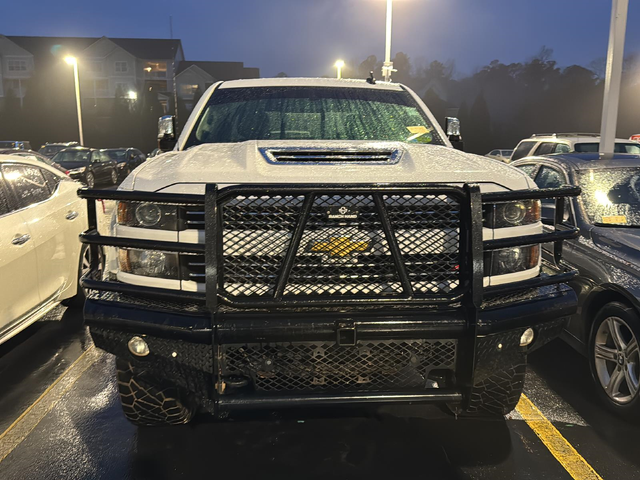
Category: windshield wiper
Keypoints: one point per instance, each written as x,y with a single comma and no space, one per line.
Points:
616,225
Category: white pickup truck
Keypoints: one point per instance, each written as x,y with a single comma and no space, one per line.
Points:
312,242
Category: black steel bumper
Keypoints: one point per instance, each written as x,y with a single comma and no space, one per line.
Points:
283,350
189,351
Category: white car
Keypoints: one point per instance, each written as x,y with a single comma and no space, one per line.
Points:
40,254
550,143
320,242
501,154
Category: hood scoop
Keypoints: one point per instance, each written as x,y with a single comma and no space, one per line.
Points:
330,156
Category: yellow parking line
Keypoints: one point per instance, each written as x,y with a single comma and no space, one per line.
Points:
559,447
33,415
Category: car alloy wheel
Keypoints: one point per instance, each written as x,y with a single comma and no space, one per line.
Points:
90,180
114,177
617,360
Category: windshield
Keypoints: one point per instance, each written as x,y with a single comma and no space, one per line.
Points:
611,196
312,113
51,149
72,156
619,148
117,155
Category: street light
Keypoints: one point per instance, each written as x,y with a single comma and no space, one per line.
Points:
387,66
73,61
339,65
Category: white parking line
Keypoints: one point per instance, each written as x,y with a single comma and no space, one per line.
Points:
32,416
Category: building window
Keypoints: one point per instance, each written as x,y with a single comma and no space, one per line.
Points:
95,67
188,91
101,87
156,69
17,65
16,87
122,67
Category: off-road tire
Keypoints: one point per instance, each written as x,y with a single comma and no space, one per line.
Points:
149,402
498,394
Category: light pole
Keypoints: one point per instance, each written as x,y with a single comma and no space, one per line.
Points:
613,77
73,61
339,65
387,66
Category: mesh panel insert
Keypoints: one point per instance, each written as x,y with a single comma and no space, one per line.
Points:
370,365
343,250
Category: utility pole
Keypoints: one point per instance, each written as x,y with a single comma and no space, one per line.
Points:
74,62
613,77
387,66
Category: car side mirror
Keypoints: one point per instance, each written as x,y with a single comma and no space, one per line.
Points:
452,127
167,133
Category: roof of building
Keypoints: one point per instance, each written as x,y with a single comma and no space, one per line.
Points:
310,82
146,48
221,70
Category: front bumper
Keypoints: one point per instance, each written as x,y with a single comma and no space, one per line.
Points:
427,331
251,360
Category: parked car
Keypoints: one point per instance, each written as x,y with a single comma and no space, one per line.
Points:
50,149
127,159
41,257
32,154
88,165
606,328
13,144
344,260
552,143
501,154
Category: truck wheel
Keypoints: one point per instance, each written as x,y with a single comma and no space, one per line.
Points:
147,402
497,395
614,358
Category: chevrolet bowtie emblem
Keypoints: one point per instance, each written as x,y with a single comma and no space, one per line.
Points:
339,246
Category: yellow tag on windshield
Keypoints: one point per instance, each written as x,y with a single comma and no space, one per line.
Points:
615,219
419,129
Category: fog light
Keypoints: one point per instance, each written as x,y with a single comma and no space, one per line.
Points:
138,347
527,337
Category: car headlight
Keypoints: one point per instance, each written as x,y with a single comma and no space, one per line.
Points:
149,263
78,170
148,215
511,260
122,164
512,214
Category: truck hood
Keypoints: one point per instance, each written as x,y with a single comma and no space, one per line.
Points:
242,163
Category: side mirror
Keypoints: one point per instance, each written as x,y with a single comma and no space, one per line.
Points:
452,127
167,133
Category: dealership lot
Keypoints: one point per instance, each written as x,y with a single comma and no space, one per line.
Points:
61,419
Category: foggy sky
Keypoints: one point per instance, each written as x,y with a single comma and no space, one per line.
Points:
305,37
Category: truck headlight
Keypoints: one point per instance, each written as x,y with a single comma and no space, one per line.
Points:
148,215
149,263
512,214
511,260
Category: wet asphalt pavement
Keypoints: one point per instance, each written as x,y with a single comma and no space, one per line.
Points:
83,434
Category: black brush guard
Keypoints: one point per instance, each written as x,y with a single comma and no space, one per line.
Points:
468,295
